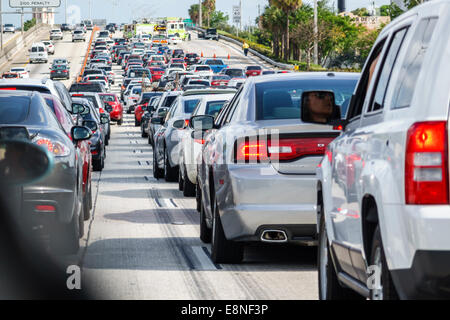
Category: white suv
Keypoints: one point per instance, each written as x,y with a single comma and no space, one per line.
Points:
56,34
383,186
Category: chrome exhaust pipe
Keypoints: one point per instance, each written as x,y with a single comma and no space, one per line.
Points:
274,236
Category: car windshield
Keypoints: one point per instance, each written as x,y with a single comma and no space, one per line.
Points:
282,99
60,67
14,109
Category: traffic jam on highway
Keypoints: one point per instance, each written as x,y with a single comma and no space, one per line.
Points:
174,161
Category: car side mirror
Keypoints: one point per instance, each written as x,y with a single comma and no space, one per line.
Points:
78,109
91,125
179,124
104,118
201,123
79,133
22,162
319,107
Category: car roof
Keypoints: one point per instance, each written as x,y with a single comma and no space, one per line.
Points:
305,76
191,92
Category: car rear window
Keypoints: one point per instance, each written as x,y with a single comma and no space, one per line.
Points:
215,62
14,109
253,68
82,87
168,101
203,68
108,98
213,107
282,99
234,72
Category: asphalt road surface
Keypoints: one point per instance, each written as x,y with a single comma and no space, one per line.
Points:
142,241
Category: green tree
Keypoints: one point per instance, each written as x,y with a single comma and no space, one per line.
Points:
219,19
392,11
29,24
362,12
412,3
273,21
287,6
210,7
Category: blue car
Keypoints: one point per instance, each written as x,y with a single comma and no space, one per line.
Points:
217,65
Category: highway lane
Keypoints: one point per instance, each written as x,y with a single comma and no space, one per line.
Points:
143,240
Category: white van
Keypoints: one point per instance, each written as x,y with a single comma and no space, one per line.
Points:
38,53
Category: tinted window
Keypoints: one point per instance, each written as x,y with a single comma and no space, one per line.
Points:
14,109
213,107
108,98
92,87
282,100
169,100
409,73
189,105
254,68
234,73
205,68
215,62
385,73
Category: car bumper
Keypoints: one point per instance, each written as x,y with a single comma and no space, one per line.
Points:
254,196
428,277
57,190
116,115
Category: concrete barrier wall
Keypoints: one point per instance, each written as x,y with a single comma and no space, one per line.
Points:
22,42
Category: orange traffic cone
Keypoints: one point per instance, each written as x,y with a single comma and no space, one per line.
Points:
228,56
202,54
215,56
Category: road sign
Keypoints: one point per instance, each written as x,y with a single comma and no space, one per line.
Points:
34,3
236,14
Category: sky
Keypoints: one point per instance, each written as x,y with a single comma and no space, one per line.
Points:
125,11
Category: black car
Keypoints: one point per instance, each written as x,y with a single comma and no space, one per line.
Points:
55,202
65,27
211,34
93,121
191,59
61,71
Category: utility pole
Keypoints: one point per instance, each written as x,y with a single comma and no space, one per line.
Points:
65,12
21,21
316,31
200,14
240,5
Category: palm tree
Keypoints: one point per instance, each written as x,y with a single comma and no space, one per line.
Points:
210,6
287,6
194,14
273,20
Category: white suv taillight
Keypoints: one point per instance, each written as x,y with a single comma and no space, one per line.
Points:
426,167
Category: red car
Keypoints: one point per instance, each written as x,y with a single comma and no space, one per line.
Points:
116,113
84,147
252,71
157,73
138,113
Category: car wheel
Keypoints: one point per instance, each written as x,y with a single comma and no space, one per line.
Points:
90,197
386,291
97,164
170,173
157,172
222,249
180,180
205,232
198,196
188,186
65,237
143,134
81,223
120,122
329,286
86,208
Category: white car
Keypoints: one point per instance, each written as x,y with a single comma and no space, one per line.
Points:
50,46
56,34
134,94
383,205
191,147
23,72
174,40
38,53
202,70
9,28
78,35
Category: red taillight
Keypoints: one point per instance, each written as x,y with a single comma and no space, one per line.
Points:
253,151
339,128
45,208
426,167
94,152
200,141
186,123
294,148
8,88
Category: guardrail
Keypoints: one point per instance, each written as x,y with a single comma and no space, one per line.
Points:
17,44
86,58
252,51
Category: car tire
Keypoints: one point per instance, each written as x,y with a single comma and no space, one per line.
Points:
97,164
86,207
222,249
120,122
170,173
90,197
188,186
180,181
65,237
378,258
157,172
136,123
143,134
81,223
329,286
205,232
198,196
